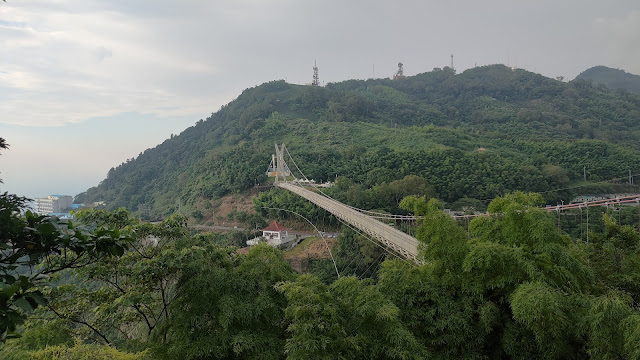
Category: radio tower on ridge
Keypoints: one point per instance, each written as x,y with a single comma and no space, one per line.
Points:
452,69
316,80
400,73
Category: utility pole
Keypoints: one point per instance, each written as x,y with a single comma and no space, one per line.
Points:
584,171
638,202
587,224
630,178
581,227
559,213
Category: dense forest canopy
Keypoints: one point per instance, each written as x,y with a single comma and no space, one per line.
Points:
479,134
510,286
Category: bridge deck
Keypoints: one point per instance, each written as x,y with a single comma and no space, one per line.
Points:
395,239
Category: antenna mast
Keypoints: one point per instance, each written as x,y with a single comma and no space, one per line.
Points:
400,73
316,79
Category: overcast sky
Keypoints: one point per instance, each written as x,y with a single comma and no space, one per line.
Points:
86,84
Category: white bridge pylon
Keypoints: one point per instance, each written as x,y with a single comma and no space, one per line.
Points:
278,167
398,241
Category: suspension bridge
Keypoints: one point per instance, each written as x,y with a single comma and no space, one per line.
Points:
369,222
399,242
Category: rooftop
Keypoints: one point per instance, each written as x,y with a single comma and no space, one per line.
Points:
275,227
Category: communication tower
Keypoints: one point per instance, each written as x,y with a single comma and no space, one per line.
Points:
450,67
400,73
316,80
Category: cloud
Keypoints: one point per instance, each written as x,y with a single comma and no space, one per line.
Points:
76,156
55,69
69,60
618,38
102,53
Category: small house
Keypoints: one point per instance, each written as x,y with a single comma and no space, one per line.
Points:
274,234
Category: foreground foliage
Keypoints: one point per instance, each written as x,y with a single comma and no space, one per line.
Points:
510,287
34,247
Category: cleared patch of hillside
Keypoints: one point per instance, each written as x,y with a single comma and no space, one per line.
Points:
311,248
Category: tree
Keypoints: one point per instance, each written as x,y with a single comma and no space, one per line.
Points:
558,175
81,351
3,145
411,185
32,247
36,335
227,305
350,319
614,257
514,288
116,297
355,256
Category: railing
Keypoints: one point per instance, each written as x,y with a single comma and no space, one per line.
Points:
401,243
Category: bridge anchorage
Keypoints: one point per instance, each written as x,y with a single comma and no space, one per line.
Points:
399,242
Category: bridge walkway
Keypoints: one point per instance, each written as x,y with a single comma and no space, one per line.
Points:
402,243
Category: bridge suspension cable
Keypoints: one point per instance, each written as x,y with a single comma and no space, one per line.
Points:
317,231
379,215
374,214
366,220
402,243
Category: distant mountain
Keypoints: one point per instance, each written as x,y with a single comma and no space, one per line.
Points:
478,134
612,78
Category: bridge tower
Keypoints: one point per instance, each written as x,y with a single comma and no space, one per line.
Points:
278,167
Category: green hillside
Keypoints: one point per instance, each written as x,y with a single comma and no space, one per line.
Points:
538,134
612,78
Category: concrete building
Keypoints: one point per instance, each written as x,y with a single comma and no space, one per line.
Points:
274,235
53,204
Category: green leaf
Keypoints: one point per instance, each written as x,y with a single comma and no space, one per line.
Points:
38,298
46,229
22,304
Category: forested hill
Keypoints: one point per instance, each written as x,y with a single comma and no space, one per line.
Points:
535,134
612,78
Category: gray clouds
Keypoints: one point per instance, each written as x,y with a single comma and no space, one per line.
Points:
71,60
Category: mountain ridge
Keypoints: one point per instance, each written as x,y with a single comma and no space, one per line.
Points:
612,78
416,125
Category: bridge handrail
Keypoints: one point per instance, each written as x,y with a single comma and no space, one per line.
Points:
403,243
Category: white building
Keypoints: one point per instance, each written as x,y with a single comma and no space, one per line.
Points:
274,235
53,204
